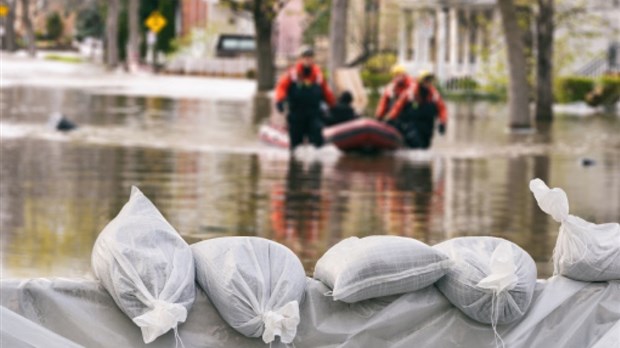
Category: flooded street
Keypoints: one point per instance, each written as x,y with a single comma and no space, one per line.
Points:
201,163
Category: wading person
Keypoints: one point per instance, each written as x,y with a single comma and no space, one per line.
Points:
401,82
415,112
303,88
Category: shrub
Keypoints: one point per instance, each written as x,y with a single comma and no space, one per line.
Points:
606,92
374,81
380,63
376,71
573,88
53,26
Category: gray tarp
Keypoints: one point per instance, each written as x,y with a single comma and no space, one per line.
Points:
564,313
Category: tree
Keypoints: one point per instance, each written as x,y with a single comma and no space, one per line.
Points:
544,60
133,45
30,39
317,22
8,41
518,88
264,13
54,26
89,23
168,9
337,36
112,34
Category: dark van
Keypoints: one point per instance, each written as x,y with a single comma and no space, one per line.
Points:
236,45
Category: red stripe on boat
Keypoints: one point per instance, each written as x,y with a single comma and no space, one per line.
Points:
363,134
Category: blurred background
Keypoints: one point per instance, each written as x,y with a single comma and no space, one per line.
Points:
169,95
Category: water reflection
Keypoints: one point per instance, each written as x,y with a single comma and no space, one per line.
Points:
57,192
299,212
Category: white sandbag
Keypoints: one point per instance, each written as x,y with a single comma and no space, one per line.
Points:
492,280
375,266
583,251
147,268
255,284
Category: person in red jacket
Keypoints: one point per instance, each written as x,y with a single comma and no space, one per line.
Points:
304,88
415,112
401,82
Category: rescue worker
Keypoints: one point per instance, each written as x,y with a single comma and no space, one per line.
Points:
415,112
304,88
401,82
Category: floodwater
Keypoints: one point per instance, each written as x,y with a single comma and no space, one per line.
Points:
201,163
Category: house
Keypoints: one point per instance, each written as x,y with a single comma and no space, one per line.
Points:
462,38
40,11
205,20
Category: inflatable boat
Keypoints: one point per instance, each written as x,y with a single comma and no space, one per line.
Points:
361,135
365,135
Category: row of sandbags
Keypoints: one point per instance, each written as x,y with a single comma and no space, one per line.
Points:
257,285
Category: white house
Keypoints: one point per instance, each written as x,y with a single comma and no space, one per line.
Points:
449,37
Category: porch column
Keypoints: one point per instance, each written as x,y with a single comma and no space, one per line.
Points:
427,32
479,41
402,40
416,36
467,41
411,34
440,43
454,36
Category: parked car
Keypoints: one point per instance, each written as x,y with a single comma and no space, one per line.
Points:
235,45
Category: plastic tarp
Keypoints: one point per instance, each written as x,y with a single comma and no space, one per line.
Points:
19,332
563,313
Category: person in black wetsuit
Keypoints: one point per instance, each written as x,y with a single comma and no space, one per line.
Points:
415,112
304,88
342,111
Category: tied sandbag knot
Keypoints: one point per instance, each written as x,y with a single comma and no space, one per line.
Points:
162,317
554,202
502,278
281,322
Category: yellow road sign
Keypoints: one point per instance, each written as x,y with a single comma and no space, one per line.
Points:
155,22
4,10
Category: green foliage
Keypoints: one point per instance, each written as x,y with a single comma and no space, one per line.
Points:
39,36
375,80
606,91
89,23
573,88
235,5
166,38
65,59
380,63
376,71
463,84
318,23
494,77
54,26
266,9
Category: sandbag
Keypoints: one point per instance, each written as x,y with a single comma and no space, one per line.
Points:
583,251
492,280
147,268
375,266
255,284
